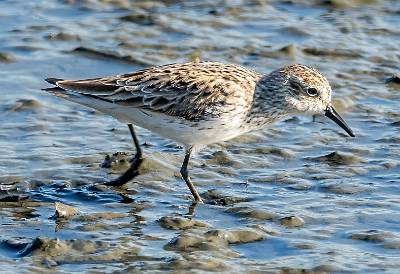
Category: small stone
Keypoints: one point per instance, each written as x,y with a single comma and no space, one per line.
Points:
6,57
341,53
215,197
141,19
64,211
292,221
374,236
305,245
184,241
236,236
289,50
63,36
252,213
179,223
25,104
339,158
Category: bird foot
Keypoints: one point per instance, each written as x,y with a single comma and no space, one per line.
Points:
131,173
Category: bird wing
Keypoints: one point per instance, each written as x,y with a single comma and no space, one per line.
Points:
190,90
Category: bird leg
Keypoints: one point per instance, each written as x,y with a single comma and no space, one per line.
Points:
185,176
133,170
192,209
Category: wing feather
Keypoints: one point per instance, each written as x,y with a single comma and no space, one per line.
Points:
188,90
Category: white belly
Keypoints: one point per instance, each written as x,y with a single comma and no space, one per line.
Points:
196,133
183,131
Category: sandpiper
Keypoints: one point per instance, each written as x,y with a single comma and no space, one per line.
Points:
199,103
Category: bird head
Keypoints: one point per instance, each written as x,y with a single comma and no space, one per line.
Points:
304,90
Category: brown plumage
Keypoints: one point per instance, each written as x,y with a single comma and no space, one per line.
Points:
197,104
189,91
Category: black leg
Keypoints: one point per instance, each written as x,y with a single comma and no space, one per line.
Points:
135,141
185,175
192,209
135,163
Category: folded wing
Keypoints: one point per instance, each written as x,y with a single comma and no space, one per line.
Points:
190,90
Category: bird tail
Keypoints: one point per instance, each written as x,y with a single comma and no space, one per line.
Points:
53,81
87,100
56,90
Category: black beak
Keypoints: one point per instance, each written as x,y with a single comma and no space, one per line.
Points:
330,112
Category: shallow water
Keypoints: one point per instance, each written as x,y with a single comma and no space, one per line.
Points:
299,196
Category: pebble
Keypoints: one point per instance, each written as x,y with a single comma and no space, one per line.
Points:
6,57
292,221
177,223
253,213
64,211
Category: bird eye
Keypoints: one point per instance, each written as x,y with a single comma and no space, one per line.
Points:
312,92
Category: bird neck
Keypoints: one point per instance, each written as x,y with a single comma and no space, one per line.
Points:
268,103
